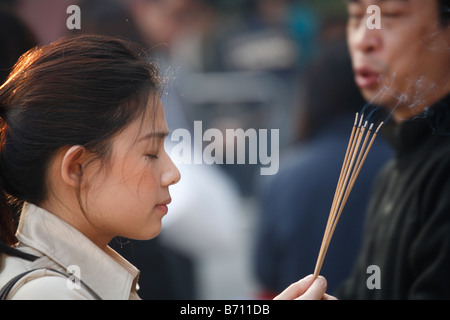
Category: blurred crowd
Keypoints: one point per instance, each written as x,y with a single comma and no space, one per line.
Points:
262,64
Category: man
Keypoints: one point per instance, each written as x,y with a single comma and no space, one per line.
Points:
404,67
295,203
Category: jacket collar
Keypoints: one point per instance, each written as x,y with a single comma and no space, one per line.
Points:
105,272
408,135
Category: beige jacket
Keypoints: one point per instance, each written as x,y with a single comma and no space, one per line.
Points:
94,273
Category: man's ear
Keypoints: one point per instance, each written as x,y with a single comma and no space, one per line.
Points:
72,165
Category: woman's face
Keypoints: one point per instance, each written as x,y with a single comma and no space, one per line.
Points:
129,197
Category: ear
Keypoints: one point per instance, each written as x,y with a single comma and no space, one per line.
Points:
72,165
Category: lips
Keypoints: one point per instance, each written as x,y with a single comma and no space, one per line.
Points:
163,206
366,78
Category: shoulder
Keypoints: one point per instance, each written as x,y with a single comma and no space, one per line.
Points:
436,166
44,284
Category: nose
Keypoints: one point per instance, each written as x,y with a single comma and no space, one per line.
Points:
364,39
171,175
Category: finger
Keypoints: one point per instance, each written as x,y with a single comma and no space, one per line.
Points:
296,289
316,291
327,296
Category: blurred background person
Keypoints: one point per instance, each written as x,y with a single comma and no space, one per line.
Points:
15,39
295,204
258,56
45,18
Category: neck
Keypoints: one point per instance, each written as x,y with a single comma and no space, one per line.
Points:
74,215
410,109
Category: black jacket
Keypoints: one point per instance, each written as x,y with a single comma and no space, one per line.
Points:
407,233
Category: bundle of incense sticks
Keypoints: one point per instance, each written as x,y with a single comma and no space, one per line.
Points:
353,161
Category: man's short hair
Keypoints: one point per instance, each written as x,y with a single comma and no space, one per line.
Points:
444,12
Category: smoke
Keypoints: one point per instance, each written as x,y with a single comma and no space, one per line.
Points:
416,97
373,110
418,92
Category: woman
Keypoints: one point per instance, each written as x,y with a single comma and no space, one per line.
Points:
82,146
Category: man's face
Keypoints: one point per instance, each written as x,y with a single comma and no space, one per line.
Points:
405,64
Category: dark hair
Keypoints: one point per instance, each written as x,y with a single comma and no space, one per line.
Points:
444,12
80,90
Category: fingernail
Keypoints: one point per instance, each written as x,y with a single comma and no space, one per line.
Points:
321,281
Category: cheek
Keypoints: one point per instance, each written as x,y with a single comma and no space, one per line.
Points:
132,186
139,218
406,44
397,63
144,186
417,70
123,202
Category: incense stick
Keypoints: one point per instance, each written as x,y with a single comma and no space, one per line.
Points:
338,187
354,159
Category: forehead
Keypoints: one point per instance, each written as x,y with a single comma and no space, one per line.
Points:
424,10
381,2
154,118
151,120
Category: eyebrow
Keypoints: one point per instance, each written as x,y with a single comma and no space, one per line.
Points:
157,134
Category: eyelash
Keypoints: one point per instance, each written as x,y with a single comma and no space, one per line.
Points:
152,156
355,17
391,15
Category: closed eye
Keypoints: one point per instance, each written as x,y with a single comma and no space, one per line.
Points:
152,156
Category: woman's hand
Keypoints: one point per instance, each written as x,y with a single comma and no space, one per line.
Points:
306,289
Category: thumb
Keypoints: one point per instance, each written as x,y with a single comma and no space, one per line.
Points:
296,289
316,291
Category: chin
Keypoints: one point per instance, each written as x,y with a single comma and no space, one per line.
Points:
151,234
376,97
145,233
145,237
371,96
